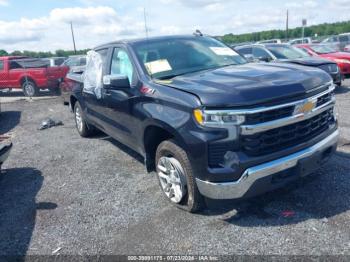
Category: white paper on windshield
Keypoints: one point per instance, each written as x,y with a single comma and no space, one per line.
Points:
158,66
224,51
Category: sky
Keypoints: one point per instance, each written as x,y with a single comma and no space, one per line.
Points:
44,25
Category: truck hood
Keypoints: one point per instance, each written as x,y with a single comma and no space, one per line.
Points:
250,84
308,61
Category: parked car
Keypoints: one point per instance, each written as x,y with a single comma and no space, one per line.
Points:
338,42
240,44
305,40
271,41
327,52
288,54
55,61
75,64
29,74
68,84
210,124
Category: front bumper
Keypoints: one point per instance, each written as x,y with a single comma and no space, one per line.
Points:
303,161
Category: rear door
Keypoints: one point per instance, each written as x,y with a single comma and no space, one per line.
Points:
94,107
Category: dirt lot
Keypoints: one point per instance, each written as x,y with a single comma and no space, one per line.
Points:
68,195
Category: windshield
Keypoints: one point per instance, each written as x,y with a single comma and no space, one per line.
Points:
323,49
167,58
287,52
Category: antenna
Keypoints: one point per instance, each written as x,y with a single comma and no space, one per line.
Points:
71,28
146,32
145,18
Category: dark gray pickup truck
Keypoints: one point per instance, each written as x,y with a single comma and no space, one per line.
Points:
207,122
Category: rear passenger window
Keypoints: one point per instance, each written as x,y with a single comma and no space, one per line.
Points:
103,53
1,65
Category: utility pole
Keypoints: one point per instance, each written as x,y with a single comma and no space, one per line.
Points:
71,28
287,24
304,23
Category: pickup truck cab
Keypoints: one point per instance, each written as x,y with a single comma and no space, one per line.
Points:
209,124
29,74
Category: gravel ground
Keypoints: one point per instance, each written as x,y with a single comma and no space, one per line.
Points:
64,194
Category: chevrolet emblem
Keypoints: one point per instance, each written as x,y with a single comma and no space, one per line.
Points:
304,108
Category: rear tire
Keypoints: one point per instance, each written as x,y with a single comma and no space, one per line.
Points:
84,129
176,177
29,88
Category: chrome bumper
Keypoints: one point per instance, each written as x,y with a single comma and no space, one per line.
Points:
237,189
4,152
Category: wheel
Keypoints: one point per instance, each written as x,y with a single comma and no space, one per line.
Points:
176,177
29,88
84,129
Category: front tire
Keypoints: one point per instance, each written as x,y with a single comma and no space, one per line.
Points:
29,88
176,177
84,129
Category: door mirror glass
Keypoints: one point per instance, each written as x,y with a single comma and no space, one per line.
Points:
116,82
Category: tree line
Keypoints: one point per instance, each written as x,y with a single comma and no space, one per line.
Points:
60,53
321,31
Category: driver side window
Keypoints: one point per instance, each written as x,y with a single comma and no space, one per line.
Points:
121,64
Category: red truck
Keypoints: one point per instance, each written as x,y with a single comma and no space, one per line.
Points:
29,74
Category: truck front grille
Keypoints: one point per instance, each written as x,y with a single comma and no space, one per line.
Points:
271,115
283,137
275,114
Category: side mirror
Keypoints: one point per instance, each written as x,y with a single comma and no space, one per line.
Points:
116,81
264,59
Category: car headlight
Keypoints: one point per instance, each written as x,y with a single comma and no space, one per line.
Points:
343,61
217,118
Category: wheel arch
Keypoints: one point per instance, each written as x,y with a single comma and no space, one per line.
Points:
154,134
23,79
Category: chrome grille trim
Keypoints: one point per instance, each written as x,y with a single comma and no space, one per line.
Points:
330,85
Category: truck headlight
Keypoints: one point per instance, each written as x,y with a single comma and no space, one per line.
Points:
217,118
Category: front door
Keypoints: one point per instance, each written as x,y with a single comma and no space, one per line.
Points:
118,103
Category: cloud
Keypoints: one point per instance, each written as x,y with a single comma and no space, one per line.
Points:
92,26
96,23
339,5
4,3
302,5
84,16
